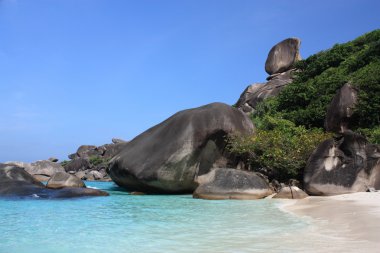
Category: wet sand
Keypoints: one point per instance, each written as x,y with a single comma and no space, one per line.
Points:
355,218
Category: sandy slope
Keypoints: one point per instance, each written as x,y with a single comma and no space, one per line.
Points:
353,217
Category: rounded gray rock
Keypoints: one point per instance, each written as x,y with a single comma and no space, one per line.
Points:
282,56
222,183
341,109
345,165
63,179
16,182
78,164
44,167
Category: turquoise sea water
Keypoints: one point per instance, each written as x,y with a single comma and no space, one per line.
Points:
150,223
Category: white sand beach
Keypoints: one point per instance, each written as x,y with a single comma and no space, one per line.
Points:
353,220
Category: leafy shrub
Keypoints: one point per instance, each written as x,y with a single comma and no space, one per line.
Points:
64,162
96,160
278,145
372,135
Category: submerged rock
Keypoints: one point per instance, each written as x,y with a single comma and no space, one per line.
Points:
62,179
282,56
168,157
224,183
348,164
16,182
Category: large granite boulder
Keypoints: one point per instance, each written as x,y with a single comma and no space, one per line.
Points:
16,182
86,151
168,157
62,179
282,56
110,150
77,164
290,192
341,109
42,170
344,165
13,173
257,92
222,183
44,167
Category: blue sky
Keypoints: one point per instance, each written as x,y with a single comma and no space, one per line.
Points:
76,72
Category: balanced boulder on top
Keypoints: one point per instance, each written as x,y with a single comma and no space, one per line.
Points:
282,56
279,65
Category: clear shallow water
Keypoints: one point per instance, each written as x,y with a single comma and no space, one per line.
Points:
150,223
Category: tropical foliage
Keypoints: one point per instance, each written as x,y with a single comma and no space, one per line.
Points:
290,126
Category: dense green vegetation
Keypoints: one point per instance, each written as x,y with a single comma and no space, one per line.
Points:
96,160
306,99
279,146
64,163
290,126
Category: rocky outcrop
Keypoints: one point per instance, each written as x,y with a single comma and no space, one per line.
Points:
279,66
168,157
344,165
62,179
224,183
257,92
290,192
44,167
341,109
42,170
16,182
90,162
77,164
282,56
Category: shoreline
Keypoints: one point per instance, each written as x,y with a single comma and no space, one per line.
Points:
350,218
